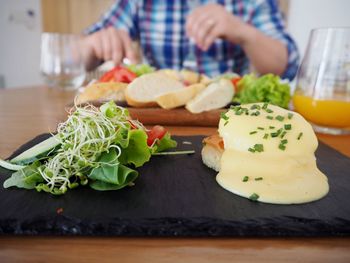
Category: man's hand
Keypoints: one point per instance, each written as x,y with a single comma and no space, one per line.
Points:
109,44
212,21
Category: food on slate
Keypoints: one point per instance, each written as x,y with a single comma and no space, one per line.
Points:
99,147
267,88
267,155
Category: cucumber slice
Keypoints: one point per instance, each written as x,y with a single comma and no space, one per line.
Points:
10,166
37,151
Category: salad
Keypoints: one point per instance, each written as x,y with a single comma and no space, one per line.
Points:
98,147
267,88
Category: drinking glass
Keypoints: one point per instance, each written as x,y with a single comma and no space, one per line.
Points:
322,93
62,62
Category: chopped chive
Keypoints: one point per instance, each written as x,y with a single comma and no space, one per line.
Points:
260,128
266,136
245,179
269,117
255,107
290,115
252,132
251,150
277,133
254,197
256,113
225,123
258,178
175,153
274,134
223,116
259,147
299,136
271,127
284,141
279,118
239,112
269,111
282,147
265,105
283,134
288,126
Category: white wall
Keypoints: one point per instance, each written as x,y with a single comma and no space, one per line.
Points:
305,15
20,29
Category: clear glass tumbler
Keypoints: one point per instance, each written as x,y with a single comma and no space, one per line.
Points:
322,94
61,61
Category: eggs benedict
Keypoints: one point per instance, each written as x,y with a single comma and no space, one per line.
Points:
266,153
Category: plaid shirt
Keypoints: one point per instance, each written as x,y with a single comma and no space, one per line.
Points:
160,28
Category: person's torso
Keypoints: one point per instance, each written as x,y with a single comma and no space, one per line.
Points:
161,27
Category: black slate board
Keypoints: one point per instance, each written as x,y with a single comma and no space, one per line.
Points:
177,196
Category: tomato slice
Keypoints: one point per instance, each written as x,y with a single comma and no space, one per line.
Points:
124,75
157,132
235,82
107,77
118,74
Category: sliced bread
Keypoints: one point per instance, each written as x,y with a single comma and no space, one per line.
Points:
186,76
216,95
144,90
103,91
179,97
213,148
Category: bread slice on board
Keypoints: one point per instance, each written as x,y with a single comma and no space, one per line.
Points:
103,91
179,97
216,95
186,76
144,90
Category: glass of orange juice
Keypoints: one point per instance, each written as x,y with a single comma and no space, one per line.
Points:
322,93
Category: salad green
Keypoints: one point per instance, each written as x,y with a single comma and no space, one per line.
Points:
98,147
267,88
140,69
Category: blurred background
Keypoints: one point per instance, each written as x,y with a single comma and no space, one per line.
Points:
21,24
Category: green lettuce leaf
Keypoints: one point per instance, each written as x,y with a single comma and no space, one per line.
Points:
111,110
27,178
141,69
163,144
267,88
137,151
110,174
122,137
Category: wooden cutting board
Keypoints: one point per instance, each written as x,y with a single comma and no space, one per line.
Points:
174,117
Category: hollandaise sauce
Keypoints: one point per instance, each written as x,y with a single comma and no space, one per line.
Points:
331,113
269,155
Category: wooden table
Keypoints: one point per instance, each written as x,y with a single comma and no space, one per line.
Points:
25,113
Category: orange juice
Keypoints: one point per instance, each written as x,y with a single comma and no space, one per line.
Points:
329,113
